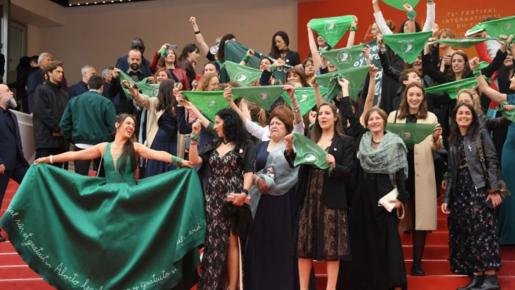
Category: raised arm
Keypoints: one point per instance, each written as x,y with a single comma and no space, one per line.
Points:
489,92
91,153
204,48
352,34
297,117
194,155
162,156
369,101
139,99
379,18
192,108
315,54
430,16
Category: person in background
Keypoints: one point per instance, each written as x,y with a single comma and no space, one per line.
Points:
82,86
280,49
12,161
123,62
88,119
36,77
50,99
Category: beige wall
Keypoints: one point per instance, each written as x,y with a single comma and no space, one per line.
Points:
97,35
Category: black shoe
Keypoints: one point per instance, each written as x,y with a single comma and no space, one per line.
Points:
476,281
490,282
416,270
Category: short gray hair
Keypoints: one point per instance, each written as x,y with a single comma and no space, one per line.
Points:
106,71
44,55
85,68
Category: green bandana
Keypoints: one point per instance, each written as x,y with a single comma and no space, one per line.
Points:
242,74
145,88
263,97
235,52
308,152
411,133
510,115
332,29
452,88
496,28
344,58
305,97
398,4
407,45
355,75
463,42
475,29
209,103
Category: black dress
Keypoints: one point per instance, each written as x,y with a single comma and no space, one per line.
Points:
473,239
165,140
270,256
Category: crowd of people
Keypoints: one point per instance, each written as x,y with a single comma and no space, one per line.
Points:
267,215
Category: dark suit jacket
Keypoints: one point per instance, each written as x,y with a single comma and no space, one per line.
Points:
336,183
12,152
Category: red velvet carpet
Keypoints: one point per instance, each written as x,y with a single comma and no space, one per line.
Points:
16,275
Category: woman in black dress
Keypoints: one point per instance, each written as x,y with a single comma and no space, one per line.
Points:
227,167
323,224
472,194
280,49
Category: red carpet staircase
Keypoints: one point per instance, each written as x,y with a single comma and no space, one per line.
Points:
16,275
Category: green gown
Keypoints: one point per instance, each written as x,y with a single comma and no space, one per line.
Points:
90,233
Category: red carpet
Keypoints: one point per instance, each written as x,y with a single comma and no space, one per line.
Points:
16,275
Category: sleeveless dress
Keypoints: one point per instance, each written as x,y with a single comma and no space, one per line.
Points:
108,233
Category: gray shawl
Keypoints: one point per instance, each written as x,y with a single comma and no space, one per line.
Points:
388,158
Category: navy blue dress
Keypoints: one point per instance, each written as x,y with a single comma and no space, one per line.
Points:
270,254
165,140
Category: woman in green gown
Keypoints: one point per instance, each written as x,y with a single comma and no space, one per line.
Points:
113,232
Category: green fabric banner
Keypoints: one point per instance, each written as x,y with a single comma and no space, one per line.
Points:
345,58
80,232
209,103
305,97
308,152
145,88
263,97
411,133
244,75
408,46
235,52
398,4
475,29
508,114
504,26
463,42
355,75
452,88
332,29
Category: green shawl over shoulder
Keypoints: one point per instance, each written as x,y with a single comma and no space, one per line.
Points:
388,158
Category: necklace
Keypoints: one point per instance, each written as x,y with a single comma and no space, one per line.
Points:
376,143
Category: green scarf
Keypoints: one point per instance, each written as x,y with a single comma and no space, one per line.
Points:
388,158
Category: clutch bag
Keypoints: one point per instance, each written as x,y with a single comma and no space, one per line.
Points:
386,201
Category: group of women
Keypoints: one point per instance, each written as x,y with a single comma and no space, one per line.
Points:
267,219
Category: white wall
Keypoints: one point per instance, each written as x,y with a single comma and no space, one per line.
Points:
97,35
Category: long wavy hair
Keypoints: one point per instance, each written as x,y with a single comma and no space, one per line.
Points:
316,132
128,150
233,128
165,95
404,107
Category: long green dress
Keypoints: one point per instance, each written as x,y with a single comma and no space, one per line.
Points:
82,232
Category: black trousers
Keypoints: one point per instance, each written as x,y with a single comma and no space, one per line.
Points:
16,174
82,166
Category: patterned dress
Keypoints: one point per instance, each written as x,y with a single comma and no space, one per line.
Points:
473,240
323,231
226,177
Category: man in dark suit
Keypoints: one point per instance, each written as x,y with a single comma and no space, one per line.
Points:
12,162
82,86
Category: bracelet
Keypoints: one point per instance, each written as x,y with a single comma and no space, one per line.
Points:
246,58
197,32
296,109
176,160
246,191
51,159
353,28
411,14
194,137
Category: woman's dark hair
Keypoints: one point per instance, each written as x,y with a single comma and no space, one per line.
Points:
403,112
298,70
215,64
128,148
274,51
221,46
417,26
234,130
467,72
316,132
165,95
454,130
187,65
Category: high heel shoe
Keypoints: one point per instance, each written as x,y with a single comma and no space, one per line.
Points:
476,281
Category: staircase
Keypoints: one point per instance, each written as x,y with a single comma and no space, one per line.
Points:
436,264
16,275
